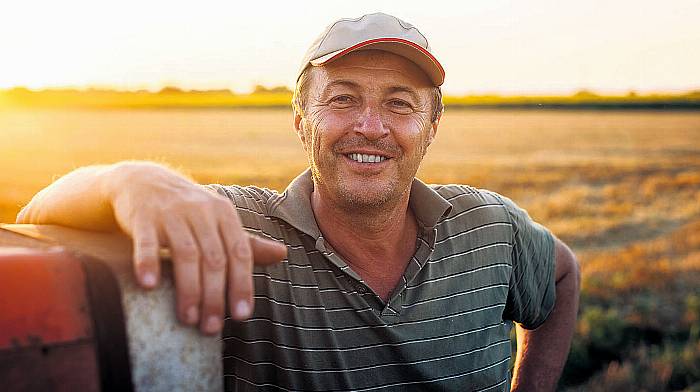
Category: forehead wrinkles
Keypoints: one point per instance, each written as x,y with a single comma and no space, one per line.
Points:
342,70
396,73
376,64
377,58
387,81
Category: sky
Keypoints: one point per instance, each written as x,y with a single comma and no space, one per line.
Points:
487,46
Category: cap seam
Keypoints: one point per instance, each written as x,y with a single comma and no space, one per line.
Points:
331,29
401,22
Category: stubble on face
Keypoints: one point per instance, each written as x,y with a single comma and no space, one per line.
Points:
325,160
327,174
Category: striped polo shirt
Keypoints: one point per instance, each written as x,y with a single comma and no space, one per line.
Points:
480,262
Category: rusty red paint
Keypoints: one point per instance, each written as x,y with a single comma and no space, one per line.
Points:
65,367
43,299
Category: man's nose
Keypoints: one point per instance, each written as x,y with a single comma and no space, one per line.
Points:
370,123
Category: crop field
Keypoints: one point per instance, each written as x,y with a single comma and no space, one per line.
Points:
622,188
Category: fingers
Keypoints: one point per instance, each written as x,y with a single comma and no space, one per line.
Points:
266,251
213,267
240,272
185,255
212,261
146,260
242,250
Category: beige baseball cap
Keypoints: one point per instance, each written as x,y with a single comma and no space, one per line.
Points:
374,31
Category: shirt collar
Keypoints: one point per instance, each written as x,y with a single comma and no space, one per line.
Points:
294,205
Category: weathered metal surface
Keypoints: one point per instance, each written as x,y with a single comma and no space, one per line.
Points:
46,335
70,367
42,298
164,355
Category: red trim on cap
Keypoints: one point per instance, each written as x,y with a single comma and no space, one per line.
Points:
390,39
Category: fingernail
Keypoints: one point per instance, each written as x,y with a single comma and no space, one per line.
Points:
149,279
213,324
242,309
191,315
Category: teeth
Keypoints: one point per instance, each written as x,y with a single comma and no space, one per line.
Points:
366,158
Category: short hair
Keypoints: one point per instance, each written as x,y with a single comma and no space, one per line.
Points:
300,97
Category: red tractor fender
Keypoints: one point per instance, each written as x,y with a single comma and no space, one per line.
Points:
72,318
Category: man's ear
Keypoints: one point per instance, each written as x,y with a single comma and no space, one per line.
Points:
434,129
299,128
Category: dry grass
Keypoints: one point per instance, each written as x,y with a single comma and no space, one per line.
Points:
598,179
623,188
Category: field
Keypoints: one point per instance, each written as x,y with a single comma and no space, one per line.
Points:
279,97
622,188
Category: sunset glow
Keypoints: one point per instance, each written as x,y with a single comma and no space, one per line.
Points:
536,46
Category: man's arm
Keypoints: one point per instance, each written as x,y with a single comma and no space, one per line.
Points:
542,352
158,207
77,199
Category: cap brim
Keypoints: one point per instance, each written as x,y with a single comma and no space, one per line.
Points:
416,53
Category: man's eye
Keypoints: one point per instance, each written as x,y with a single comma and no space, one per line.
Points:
400,105
342,100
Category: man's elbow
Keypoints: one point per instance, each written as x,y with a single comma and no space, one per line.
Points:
567,266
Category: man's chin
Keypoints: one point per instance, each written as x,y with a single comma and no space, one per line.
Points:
360,191
368,194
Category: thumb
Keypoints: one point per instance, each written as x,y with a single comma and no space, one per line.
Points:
266,251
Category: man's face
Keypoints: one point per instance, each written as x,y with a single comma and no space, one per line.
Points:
366,127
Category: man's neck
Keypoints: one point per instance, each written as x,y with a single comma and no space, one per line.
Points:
376,242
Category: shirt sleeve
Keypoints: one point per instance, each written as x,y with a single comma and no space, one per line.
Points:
532,292
251,204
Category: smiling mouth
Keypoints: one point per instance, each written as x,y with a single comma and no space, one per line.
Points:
366,158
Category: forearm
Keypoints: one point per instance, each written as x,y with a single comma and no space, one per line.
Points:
76,200
542,352
87,197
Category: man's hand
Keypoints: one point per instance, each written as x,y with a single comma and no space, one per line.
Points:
212,255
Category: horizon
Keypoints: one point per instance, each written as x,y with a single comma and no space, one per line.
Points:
538,47
281,89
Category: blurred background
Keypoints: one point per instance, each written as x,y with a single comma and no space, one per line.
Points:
587,114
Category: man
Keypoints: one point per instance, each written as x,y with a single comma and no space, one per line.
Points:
386,283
